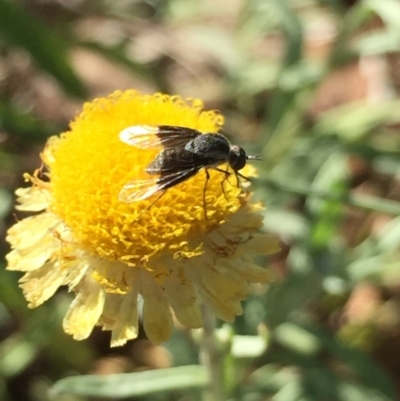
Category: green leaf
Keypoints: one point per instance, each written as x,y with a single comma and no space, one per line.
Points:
6,201
327,214
294,292
20,29
295,337
354,121
132,384
367,371
284,99
16,354
248,346
388,10
25,125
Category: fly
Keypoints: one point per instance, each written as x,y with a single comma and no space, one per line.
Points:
183,153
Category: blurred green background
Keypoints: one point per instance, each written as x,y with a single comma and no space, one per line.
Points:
315,86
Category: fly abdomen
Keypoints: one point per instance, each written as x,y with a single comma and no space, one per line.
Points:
170,161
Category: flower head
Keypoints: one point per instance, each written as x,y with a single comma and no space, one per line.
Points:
109,252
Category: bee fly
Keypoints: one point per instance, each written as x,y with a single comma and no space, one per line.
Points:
183,153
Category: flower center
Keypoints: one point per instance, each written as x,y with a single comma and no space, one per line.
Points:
89,165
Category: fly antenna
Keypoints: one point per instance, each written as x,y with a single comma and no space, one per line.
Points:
254,157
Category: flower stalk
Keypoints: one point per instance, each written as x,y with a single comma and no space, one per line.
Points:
212,357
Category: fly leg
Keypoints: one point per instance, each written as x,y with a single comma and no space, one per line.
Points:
226,178
152,203
241,176
204,193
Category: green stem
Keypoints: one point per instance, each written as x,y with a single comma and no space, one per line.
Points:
211,357
361,201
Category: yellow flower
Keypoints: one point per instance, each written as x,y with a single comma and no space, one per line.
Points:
112,254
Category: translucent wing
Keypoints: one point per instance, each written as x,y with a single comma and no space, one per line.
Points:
155,136
142,189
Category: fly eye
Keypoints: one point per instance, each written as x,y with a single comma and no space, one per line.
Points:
237,157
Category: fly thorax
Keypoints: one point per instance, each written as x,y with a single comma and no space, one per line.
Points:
214,147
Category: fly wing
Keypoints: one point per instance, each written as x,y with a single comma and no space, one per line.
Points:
142,189
157,136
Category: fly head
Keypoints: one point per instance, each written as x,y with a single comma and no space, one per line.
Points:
237,157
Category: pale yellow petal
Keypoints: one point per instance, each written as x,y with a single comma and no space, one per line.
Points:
112,275
188,315
32,258
222,291
120,313
262,244
126,324
222,283
39,285
85,310
157,319
27,232
77,269
249,271
224,309
183,299
111,308
33,199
